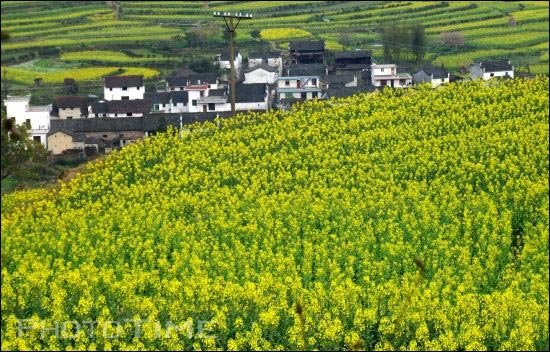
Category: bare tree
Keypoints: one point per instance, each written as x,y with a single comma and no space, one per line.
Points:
455,39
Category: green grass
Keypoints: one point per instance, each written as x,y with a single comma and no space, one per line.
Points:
46,65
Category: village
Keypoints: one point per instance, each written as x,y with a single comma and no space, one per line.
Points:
264,81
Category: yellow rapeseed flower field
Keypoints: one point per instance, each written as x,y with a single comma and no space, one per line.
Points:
402,220
283,33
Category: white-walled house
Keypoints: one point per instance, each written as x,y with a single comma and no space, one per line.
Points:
215,100
387,75
195,93
432,74
71,107
123,88
222,60
261,74
175,83
300,87
120,108
249,97
345,80
168,102
273,59
37,117
491,69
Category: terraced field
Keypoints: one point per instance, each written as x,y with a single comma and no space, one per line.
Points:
73,31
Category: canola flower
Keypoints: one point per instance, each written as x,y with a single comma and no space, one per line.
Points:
397,220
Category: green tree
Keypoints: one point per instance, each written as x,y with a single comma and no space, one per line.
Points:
17,150
419,42
255,33
387,41
226,35
203,65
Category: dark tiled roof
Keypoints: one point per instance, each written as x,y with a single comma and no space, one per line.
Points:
250,93
147,122
123,81
273,54
70,102
217,92
338,79
203,78
339,91
357,54
158,97
179,97
263,67
98,124
136,106
177,81
100,107
93,140
225,54
267,55
195,78
354,67
437,71
455,78
306,69
307,45
77,137
497,65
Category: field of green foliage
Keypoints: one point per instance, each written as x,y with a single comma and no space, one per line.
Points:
397,220
72,31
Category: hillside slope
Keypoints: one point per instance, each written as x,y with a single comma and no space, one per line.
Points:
410,219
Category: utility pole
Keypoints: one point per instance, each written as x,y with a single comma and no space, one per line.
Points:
231,28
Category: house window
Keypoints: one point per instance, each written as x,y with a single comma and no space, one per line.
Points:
69,117
36,139
156,107
138,87
194,102
129,114
314,81
111,89
383,82
211,106
104,136
28,122
287,83
303,95
209,86
172,88
402,82
381,70
104,115
124,88
492,74
125,98
314,95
